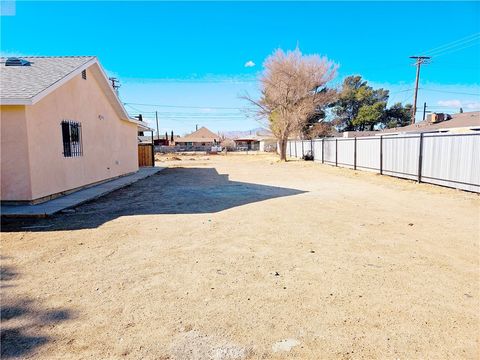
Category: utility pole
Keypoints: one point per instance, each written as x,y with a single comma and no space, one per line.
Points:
156,118
424,110
140,118
115,84
419,60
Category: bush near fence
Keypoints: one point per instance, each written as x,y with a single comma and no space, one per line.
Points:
451,160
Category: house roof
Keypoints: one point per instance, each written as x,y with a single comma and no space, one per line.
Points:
201,135
142,125
463,120
148,139
26,85
25,82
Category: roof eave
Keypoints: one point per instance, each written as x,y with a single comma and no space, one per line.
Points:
141,125
111,94
7,101
62,81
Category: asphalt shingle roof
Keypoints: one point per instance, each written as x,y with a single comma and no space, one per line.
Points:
24,82
467,119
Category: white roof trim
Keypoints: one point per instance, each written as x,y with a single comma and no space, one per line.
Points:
142,126
111,92
15,101
62,81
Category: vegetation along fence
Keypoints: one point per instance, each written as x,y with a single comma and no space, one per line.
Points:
451,160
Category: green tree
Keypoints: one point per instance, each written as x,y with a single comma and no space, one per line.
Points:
369,115
355,95
398,115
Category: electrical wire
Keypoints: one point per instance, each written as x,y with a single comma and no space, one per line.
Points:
185,106
451,92
452,44
454,50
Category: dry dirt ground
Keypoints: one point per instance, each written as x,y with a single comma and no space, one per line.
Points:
242,257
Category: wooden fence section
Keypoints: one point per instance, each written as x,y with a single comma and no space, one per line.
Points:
145,155
451,160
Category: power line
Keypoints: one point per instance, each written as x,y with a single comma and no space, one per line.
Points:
187,119
194,115
454,50
459,42
186,107
185,112
400,91
405,98
451,92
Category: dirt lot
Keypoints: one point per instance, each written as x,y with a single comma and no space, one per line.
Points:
242,257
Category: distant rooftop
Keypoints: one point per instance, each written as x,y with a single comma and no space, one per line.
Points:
201,135
462,120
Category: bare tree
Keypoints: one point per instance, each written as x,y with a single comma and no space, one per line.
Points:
320,129
293,88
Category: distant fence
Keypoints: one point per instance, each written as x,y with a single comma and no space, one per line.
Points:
176,149
451,160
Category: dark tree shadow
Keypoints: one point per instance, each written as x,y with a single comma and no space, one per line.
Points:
172,191
6,273
16,343
16,338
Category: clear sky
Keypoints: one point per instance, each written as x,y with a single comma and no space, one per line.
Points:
194,54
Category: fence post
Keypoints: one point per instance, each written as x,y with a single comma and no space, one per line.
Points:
381,154
295,148
303,152
323,150
289,148
420,158
311,148
153,151
336,152
355,153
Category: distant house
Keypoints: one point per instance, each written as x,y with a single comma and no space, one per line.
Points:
435,123
255,143
201,137
62,127
441,123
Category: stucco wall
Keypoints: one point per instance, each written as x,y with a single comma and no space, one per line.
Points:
109,143
14,168
267,143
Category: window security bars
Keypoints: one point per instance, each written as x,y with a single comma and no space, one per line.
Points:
72,138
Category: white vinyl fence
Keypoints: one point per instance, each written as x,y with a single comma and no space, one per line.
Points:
451,160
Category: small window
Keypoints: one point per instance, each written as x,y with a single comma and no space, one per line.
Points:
84,74
72,139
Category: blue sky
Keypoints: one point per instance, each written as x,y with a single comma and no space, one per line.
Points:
194,54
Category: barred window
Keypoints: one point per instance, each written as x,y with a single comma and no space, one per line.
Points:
72,138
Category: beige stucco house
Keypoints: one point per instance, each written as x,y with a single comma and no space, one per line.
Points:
62,127
256,143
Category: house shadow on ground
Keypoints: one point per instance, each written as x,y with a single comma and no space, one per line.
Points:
24,321
172,191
